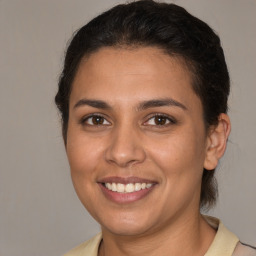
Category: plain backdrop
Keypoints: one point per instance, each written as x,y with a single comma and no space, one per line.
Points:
39,210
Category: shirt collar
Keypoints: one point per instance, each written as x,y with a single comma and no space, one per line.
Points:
224,242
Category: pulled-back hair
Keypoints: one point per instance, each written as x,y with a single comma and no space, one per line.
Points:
170,28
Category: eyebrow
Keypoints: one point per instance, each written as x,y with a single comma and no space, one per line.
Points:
92,103
160,103
142,106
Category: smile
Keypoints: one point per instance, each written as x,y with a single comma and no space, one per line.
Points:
124,190
127,188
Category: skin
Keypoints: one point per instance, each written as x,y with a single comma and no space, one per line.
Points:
130,142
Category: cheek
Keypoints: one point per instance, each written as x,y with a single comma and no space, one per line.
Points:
83,154
179,156
84,160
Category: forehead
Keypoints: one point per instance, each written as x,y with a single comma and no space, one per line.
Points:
132,74
147,61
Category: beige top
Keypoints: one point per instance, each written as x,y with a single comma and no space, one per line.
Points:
225,243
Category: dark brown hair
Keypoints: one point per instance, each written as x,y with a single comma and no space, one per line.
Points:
175,31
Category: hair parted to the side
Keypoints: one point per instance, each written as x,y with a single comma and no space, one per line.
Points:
170,28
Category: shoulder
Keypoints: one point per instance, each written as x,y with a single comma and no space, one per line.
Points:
89,247
226,243
244,250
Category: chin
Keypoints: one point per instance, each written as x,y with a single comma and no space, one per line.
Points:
125,229
128,225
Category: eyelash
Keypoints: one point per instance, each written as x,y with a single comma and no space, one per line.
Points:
85,119
170,120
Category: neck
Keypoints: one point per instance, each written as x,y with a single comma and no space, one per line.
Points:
186,236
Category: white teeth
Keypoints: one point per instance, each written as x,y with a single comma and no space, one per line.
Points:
114,188
127,188
120,188
109,186
137,186
148,185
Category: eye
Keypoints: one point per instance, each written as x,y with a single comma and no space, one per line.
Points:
95,120
160,120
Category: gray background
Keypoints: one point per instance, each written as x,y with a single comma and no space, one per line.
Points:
39,211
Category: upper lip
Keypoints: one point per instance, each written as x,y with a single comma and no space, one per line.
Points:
125,180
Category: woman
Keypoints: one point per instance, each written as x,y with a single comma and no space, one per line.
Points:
143,98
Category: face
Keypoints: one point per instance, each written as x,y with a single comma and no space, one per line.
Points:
136,140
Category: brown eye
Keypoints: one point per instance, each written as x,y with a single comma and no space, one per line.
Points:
160,120
95,120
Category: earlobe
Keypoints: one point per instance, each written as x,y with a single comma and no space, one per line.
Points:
217,141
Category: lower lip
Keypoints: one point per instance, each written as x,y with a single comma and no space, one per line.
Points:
123,198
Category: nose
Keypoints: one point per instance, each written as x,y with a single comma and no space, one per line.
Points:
125,148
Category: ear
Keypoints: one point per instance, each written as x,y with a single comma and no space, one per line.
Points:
217,141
